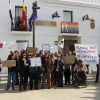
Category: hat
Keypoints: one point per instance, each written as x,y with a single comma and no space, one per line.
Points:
80,60
29,54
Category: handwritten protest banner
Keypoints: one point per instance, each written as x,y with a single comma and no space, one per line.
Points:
87,53
36,61
69,59
8,63
9,45
21,45
45,47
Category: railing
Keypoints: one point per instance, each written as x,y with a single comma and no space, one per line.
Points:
16,25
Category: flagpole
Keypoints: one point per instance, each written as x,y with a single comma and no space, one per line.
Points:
33,25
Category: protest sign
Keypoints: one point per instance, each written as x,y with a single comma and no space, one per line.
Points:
45,47
36,61
8,63
69,59
31,50
87,53
21,45
9,45
1,45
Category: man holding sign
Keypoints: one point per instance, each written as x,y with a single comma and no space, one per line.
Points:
11,74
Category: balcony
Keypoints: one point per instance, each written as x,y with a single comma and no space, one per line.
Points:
16,25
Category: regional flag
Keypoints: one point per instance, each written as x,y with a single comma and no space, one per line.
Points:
31,18
61,43
24,16
10,11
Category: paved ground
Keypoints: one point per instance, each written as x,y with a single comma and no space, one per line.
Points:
92,92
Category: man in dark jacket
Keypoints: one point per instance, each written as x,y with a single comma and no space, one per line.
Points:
0,70
47,65
11,74
22,71
59,68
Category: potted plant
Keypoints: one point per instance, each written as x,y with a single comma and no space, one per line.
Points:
24,28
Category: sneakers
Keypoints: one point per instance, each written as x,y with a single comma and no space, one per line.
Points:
96,82
24,88
6,89
20,89
58,85
42,87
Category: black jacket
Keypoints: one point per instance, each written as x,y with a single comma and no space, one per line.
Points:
21,64
13,68
61,64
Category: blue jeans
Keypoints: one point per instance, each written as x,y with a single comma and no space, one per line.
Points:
97,74
13,76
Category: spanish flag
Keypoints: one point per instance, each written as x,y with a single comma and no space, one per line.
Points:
24,16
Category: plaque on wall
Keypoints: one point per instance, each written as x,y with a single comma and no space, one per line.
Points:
46,23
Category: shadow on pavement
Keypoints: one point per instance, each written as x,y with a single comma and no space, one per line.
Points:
90,82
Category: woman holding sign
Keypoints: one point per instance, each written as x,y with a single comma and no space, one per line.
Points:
33,75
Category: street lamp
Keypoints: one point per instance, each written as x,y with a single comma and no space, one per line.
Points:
86,17
34,7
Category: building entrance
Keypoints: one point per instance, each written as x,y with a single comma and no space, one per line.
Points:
69,42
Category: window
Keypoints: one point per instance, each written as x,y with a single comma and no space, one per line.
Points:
18,18
68,16
18,11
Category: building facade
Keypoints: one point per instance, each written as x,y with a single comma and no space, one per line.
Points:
48,29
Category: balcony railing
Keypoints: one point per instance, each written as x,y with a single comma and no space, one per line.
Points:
16,25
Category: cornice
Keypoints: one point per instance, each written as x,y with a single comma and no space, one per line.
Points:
71,3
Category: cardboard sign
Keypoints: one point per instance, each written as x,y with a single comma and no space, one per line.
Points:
8,63
31,50
69,59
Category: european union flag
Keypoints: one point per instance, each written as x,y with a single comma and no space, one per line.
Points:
31,18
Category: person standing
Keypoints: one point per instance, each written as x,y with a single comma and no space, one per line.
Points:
11,74
22,71
97,74
33,75
40,68
54,74
47,66
67,72
59,69
0,70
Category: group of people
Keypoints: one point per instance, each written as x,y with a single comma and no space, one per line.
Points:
53,68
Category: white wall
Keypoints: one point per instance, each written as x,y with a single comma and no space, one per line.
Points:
47,35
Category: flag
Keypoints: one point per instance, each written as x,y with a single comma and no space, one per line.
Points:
35,13
1,45
61,43
24,16
31,18
10,11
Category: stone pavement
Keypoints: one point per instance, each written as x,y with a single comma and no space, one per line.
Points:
92,92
